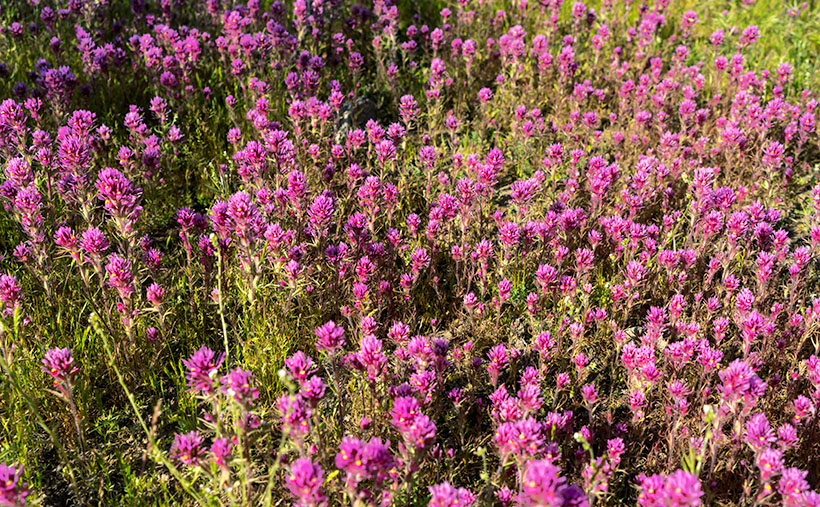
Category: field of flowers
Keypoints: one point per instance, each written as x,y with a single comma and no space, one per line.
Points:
393,252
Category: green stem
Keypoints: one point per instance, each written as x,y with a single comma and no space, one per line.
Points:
158,455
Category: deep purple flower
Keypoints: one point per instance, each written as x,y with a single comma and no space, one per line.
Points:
792,485
542,484
238,385
330,337
304,481
521,438
188,219
498,358
371,357
679,489
10,293
446,495
203,367
59,363
769,462
119,275
65,238
759,433
187,448
246,219
739,379
313,389
294,414
13,491
320,213
120,198
155,294
221,451
93,242
300,366
362,461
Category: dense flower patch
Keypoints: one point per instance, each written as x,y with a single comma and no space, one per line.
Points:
390,253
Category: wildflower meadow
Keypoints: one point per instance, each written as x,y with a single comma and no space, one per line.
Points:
441,253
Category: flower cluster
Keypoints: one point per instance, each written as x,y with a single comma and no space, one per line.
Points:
374,253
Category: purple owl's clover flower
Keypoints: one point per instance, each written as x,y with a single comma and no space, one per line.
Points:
329,337
10,293
304,481
221,451
416,429
203,367
371,357
238,385
120,198
13,491
300,366
678,489
59,363
320,213
119,276
188,449
446,495
541,484
361,461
